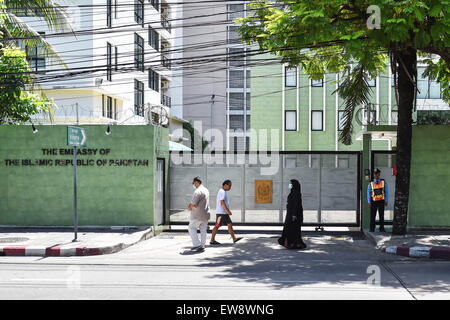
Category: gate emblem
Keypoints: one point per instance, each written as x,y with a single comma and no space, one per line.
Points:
263,191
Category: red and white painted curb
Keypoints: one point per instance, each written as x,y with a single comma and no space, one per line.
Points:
419,252
55,251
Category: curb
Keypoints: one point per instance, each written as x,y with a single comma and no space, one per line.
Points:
58,251
371,238
419,252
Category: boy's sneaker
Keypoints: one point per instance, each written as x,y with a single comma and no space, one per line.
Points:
214,243
196,248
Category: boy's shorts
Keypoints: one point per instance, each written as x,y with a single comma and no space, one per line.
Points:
223,219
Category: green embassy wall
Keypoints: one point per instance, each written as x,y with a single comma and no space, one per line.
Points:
430,177
108,193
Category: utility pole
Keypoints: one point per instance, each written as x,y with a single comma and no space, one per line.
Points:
212,104
78,117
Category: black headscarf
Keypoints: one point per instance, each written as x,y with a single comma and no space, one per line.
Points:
294,205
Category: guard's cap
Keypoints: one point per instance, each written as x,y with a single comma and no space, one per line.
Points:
377,171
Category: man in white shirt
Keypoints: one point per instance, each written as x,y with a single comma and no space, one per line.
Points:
223,213
199,216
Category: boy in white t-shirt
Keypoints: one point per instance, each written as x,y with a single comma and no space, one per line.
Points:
223,213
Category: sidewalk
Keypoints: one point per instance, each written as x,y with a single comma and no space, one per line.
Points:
427,244
58,242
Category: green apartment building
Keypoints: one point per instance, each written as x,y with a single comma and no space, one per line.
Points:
307,113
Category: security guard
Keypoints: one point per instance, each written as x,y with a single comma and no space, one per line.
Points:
377,197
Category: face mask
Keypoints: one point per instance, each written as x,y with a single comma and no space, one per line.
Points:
290,186
194,187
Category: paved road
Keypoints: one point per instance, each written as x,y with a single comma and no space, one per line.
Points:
333,267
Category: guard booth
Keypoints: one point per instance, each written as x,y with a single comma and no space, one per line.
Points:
330,183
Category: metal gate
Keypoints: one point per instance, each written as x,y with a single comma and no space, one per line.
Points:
330,183
385,161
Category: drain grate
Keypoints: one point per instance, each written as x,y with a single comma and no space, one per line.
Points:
9,240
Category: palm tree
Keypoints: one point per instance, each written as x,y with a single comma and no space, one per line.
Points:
13,28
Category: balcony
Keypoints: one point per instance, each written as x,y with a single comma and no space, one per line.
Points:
166,24
166,101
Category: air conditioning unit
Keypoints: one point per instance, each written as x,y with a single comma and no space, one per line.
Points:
164,84
164,46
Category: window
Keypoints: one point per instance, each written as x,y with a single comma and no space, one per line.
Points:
372,82
115,8
236,57
103,106
372,119
248,101
317,83
429,89
247,127
236,101
138,52
116,58
236,122
317,121
138,98
236,79
394,117
109,13
248,78
235,11
233,35
155,4
290,120
290,77
341,121
35,56
153,80
109,61
115,109
109,107
139,11
153,38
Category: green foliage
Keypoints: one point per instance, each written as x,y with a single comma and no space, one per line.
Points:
51,14
195,136
16,103
326,35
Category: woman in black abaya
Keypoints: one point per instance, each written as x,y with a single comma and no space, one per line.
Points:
291,237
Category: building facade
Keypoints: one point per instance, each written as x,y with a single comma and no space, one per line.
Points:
216,78
307,115
117,63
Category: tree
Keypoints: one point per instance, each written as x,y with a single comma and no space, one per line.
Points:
13,28
330,35
16,103
17,99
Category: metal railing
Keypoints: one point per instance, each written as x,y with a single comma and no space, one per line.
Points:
166,62
166,100
166,24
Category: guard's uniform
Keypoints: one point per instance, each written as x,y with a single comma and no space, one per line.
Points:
377,195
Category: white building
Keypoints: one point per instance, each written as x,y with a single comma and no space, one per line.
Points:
118,63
